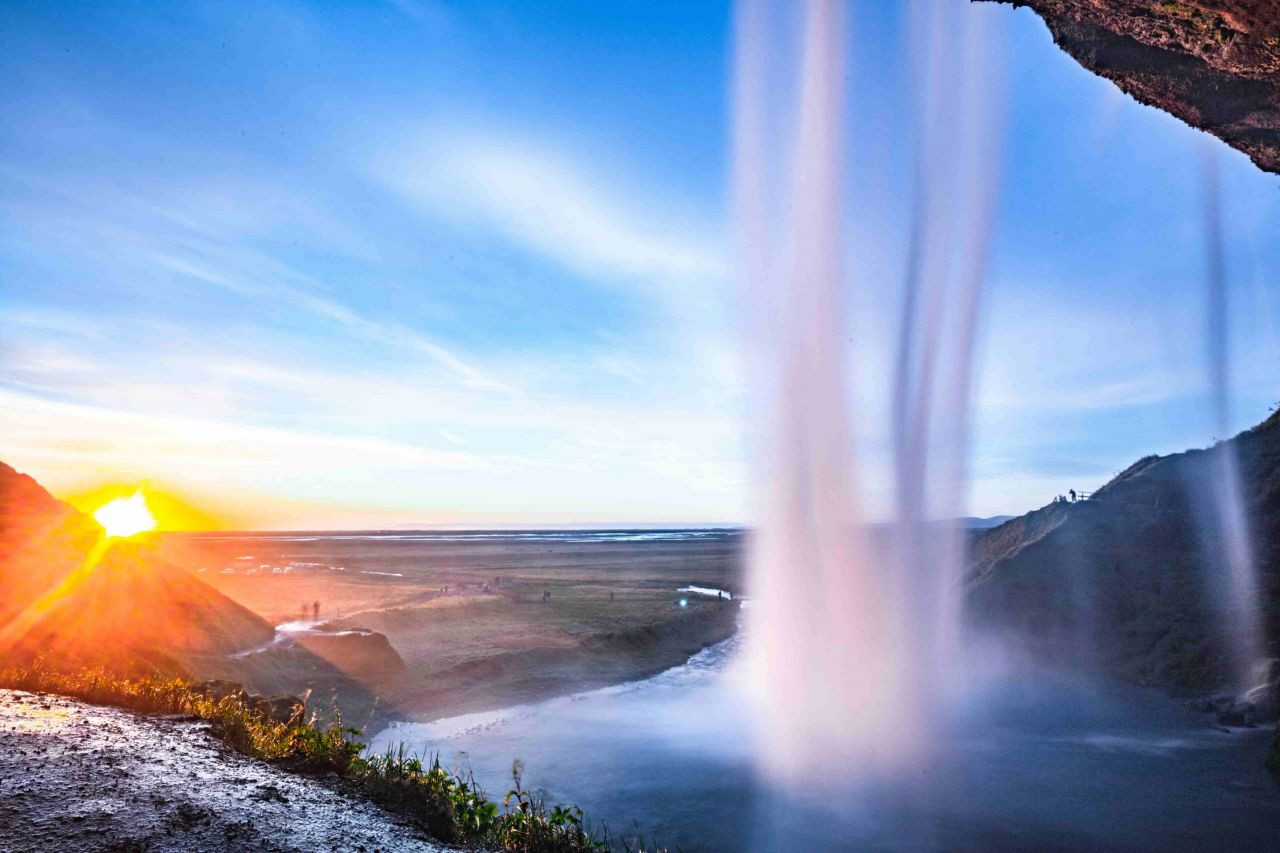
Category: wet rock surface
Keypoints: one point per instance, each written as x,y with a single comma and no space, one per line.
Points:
76,777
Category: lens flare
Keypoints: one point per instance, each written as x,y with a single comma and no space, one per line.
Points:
125,516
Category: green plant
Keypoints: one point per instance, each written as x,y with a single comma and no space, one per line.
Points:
527,826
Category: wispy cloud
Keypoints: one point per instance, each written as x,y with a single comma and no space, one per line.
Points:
591,224
263,278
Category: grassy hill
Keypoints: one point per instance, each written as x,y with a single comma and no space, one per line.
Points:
1124,582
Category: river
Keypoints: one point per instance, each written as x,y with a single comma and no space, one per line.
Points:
1034,763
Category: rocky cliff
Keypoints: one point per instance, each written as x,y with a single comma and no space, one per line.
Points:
1215,64
1125,582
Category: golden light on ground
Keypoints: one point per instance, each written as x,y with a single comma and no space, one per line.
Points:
125,516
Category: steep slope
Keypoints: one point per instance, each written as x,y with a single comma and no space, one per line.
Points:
1125,582
68,596
1215,64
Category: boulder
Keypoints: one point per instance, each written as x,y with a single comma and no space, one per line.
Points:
279,709
364,655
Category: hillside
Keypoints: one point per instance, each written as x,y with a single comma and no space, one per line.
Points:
1122,582
67,596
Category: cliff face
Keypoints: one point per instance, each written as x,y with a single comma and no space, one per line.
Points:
1215,64
1126,582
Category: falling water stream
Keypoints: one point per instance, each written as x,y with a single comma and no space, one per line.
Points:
1235,590
854,643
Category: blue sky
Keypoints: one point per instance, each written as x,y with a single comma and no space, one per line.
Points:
372,264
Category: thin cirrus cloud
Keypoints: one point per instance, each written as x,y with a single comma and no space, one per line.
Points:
277,287
206,236
591,225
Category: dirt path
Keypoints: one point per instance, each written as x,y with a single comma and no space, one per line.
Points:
76,777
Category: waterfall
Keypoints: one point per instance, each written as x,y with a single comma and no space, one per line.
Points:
853,637
1235,593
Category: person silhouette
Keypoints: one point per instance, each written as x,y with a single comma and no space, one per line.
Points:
1073,495
315,611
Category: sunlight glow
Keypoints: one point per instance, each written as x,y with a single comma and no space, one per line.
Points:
125,516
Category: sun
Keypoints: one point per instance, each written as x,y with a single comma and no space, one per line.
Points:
125,516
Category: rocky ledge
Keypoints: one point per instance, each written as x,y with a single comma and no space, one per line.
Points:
1215,64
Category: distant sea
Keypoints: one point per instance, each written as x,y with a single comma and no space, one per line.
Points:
545,535
638,533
